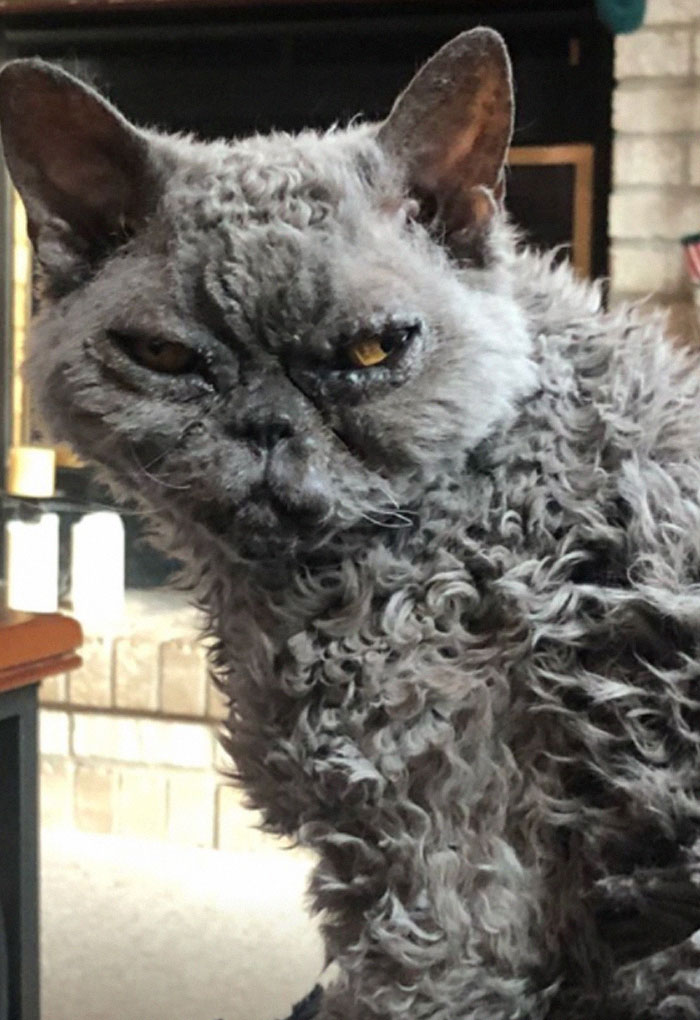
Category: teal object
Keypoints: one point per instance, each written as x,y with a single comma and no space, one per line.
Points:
621,15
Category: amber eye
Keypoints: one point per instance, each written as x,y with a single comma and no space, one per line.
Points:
165,356
376,348
366,353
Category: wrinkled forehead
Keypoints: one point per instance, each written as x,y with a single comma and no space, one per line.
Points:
271,229
300,182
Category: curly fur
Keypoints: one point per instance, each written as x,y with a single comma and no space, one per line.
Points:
471,684
476,722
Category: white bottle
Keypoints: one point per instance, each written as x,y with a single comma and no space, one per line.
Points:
97,570
32,564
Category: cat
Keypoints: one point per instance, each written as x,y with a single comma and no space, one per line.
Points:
442,511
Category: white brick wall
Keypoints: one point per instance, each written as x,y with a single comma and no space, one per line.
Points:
654,52
656,158
661,12
128,740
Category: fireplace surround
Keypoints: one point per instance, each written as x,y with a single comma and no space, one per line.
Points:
226,69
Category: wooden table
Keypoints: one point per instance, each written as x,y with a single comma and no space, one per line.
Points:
31,647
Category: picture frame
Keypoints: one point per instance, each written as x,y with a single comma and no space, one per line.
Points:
566,173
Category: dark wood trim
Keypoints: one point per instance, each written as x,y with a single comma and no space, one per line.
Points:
20,676
25,7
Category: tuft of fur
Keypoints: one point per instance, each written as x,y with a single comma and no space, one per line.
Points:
455,603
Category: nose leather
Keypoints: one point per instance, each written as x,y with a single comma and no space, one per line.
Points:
267,413
294,481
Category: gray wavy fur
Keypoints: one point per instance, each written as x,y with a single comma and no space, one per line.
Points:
455,603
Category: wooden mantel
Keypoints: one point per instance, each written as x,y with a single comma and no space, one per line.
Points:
20,7
35,645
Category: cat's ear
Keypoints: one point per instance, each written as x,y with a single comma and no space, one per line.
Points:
451,129
82,170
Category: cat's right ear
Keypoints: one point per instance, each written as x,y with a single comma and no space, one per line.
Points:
450,131
83,172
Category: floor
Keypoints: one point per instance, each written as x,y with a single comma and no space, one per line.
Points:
142,931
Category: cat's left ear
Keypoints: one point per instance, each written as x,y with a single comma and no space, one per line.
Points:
83,171
451,129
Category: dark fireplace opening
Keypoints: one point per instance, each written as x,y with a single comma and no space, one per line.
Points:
229,69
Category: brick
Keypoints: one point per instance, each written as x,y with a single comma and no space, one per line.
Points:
136,673
191,808
694,168
91,684
644,160
54,732
684,322
95,797
53,689
665,11
56,793
236,829
147,741
646,269
183,678
141,806
217,704
647,213
648,108
653,52
222,759
188,745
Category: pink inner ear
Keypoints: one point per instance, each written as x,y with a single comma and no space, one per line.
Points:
71,155
451,128
96,184
478,150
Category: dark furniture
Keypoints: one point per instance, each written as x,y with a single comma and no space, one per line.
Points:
31,647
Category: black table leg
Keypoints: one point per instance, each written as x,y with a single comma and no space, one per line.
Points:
4,972
19,852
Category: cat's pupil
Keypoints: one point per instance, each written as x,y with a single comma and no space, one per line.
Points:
166,356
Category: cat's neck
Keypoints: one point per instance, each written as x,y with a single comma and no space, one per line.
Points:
254,610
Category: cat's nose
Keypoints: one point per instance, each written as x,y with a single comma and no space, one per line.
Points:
268,432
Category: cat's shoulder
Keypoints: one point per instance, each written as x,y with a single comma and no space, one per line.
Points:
623,365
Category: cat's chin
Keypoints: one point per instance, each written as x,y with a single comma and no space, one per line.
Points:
262,531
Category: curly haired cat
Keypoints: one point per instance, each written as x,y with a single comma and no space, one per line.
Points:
442,510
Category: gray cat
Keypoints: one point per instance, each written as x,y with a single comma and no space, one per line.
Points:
442,511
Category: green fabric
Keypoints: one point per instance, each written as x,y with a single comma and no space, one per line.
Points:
621,15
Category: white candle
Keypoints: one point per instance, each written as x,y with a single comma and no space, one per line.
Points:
97,570
32,564
31,471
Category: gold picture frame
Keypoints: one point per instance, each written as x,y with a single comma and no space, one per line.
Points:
20,314
581,156
26,428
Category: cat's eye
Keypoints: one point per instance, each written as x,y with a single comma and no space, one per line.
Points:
166,356
373,350
366,353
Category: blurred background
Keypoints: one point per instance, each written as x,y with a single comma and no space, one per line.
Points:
160,897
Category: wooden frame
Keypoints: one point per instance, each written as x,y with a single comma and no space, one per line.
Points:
581,156
25,429
20,314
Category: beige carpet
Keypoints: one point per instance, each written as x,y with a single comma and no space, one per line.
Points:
142,931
